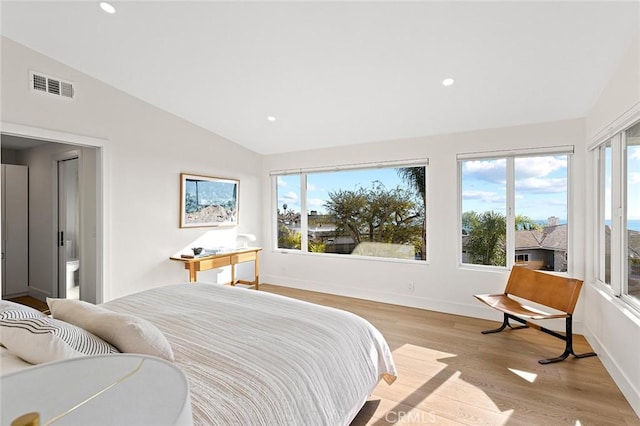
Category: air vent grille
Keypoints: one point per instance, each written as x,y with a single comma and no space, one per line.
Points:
67,90
54,86
39,83
42,83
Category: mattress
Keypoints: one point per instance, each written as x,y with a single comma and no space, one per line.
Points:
255,358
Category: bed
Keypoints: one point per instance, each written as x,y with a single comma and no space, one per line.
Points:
255,358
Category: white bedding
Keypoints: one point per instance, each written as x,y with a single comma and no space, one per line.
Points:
254,358
10,363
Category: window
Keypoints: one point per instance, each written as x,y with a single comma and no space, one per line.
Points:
367,211
632,210
288,212
605,213
515,207
619,213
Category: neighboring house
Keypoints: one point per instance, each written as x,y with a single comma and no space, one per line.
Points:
544,249
633,247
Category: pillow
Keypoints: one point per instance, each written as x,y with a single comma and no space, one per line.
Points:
43,339
11,310
126,332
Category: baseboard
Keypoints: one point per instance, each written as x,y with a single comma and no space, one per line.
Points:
625,385
14,295
473,309
39,294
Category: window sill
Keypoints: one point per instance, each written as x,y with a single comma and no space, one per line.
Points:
628,306
353,257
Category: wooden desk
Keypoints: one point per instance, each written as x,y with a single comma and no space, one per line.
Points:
220,260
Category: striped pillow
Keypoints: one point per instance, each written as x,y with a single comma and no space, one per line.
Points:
16,310
11,310
43,339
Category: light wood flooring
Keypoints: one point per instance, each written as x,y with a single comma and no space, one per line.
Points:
450,374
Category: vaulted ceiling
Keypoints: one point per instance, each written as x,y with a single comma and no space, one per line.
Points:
334,73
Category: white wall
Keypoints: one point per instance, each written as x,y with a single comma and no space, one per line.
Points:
611,327
439,285
148,148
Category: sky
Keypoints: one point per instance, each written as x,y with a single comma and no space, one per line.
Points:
320,184
540,186
633,183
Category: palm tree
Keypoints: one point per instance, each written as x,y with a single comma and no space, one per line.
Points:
525,223
416,177
486,241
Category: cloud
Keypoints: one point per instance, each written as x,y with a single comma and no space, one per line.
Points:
288,197
311,187
281,182
527,167
634,152
315,203
484,196
495,171
634,177
541,186
488,170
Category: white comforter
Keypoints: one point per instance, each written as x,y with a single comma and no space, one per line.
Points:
254,358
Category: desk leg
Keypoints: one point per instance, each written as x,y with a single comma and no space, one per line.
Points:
233,274
193,274
256,273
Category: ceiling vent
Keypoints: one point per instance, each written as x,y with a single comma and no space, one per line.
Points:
45,84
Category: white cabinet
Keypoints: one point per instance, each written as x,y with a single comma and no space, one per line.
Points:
15,230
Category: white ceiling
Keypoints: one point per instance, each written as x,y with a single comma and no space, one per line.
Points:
335,73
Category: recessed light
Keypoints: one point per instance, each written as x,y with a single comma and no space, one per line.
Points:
271,118
107,7
448,82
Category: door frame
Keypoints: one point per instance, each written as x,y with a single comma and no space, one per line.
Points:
61,258
103,198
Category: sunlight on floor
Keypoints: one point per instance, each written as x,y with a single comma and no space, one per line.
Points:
438,391
529,377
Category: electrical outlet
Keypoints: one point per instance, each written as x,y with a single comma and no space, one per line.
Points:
411,287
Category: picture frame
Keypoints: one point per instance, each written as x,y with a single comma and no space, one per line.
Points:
208,201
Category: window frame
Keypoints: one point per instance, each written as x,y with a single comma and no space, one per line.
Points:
304,226
615,135
510,156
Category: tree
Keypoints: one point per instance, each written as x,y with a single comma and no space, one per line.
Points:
417,179
525,223
377,214
487,237
470,220
288,238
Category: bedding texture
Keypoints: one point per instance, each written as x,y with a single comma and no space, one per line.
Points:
126,332
254,358
37,338
10,362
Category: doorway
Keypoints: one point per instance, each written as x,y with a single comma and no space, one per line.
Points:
69,233
81,216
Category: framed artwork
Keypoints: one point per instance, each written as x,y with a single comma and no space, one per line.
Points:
208,201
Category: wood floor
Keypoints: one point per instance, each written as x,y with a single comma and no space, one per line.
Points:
31,301
450,374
